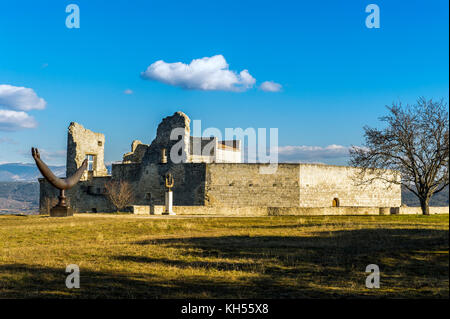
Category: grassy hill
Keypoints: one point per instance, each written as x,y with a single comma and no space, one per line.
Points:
20,191
126,256
19,197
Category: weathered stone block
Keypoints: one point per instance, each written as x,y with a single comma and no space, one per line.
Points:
61,211
139,209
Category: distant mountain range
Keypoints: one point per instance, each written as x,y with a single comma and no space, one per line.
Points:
439,199
19,198
28,172
19,172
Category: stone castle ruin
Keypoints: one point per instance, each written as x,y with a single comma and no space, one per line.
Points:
211,178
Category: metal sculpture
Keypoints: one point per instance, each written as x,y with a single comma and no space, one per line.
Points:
61,209
169,195
163,156
169,182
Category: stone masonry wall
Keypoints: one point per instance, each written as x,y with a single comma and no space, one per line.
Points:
178,120
293,185
189,184
86,196
232,185
138,150
236,184
82,142
320,184
209,184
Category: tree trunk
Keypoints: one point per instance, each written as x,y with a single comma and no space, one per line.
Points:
424,204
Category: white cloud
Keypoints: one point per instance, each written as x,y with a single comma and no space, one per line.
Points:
52,157
270,86
13,120
305,153
331,154
128,91
20,98
208,74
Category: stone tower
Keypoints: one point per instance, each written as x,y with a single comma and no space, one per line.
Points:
81,144
172,131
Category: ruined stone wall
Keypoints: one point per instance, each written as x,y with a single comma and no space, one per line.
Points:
320,184
138,150
253,211
86,196
179,121
129,172
189,184
294,185
82,142
235,184
209,184
147,183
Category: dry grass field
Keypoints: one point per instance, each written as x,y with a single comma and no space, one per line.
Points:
123,256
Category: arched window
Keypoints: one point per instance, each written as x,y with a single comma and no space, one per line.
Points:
335,202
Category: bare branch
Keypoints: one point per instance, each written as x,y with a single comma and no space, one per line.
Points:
414,142
119,193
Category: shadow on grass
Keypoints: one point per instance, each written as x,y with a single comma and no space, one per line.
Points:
47,282
413,263
207,265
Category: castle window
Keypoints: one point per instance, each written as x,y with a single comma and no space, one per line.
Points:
99,143
335,202
90,159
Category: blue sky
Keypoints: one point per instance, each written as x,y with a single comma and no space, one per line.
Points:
336,74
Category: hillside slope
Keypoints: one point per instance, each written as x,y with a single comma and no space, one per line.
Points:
20,172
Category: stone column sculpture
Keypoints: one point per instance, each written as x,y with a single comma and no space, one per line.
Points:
169,195
61,209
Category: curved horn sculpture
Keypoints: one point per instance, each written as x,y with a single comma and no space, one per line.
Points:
59,183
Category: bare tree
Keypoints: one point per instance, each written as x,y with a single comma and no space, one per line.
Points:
413,142
119,193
